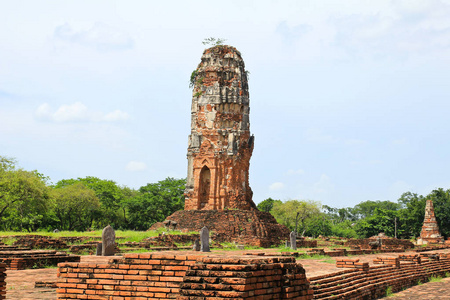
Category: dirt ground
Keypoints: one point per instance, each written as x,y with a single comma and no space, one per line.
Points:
20,284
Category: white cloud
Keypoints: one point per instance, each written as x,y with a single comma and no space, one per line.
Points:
295,172
136,166
116,115
101,36
276,186
77,112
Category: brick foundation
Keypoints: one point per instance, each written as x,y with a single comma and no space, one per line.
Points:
2,281
184,276
19,260
248,227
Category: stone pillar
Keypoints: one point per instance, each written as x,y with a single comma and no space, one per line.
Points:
293,239
108,241
204,240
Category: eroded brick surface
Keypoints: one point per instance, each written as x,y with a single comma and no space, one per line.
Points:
220,144
430,229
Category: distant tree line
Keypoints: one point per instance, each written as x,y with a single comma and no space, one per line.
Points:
402,219
28,202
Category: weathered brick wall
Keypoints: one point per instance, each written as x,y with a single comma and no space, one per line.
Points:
145,275
372,282
249,227
160,276
245,278
387,243
2,281
19,260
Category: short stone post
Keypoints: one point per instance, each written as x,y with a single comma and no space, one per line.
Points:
293,238
99,249
196,245
108,241
204,240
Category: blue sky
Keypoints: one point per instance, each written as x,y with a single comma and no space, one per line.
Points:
349,99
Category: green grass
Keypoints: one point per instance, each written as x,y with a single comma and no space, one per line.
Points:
435,279
389,292
128,235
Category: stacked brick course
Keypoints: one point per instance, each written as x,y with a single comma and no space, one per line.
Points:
135,276
2,281
161,275
372,282
351,263
392,261
19,260
245,278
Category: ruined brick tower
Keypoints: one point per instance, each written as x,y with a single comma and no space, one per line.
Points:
430,229
220,144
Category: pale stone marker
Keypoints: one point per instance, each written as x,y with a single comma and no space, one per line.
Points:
204,239
293,238
108,241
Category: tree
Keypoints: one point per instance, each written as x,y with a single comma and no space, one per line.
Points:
267,205
75,206
367,208
412,214
318,225
155,201
291,212
23,197
382,220
111,197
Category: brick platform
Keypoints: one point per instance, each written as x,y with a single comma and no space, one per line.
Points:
188,276
19,260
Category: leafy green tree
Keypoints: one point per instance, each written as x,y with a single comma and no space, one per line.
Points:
382,220
412,214
295,212
367,208
23,197
267,205
318,225
75,206
344,229
111,196
155,201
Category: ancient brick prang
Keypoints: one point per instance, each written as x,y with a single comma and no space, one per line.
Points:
220,144
430,229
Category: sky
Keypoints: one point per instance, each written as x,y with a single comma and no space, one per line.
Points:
349,99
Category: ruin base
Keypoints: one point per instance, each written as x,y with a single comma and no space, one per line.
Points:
248,227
